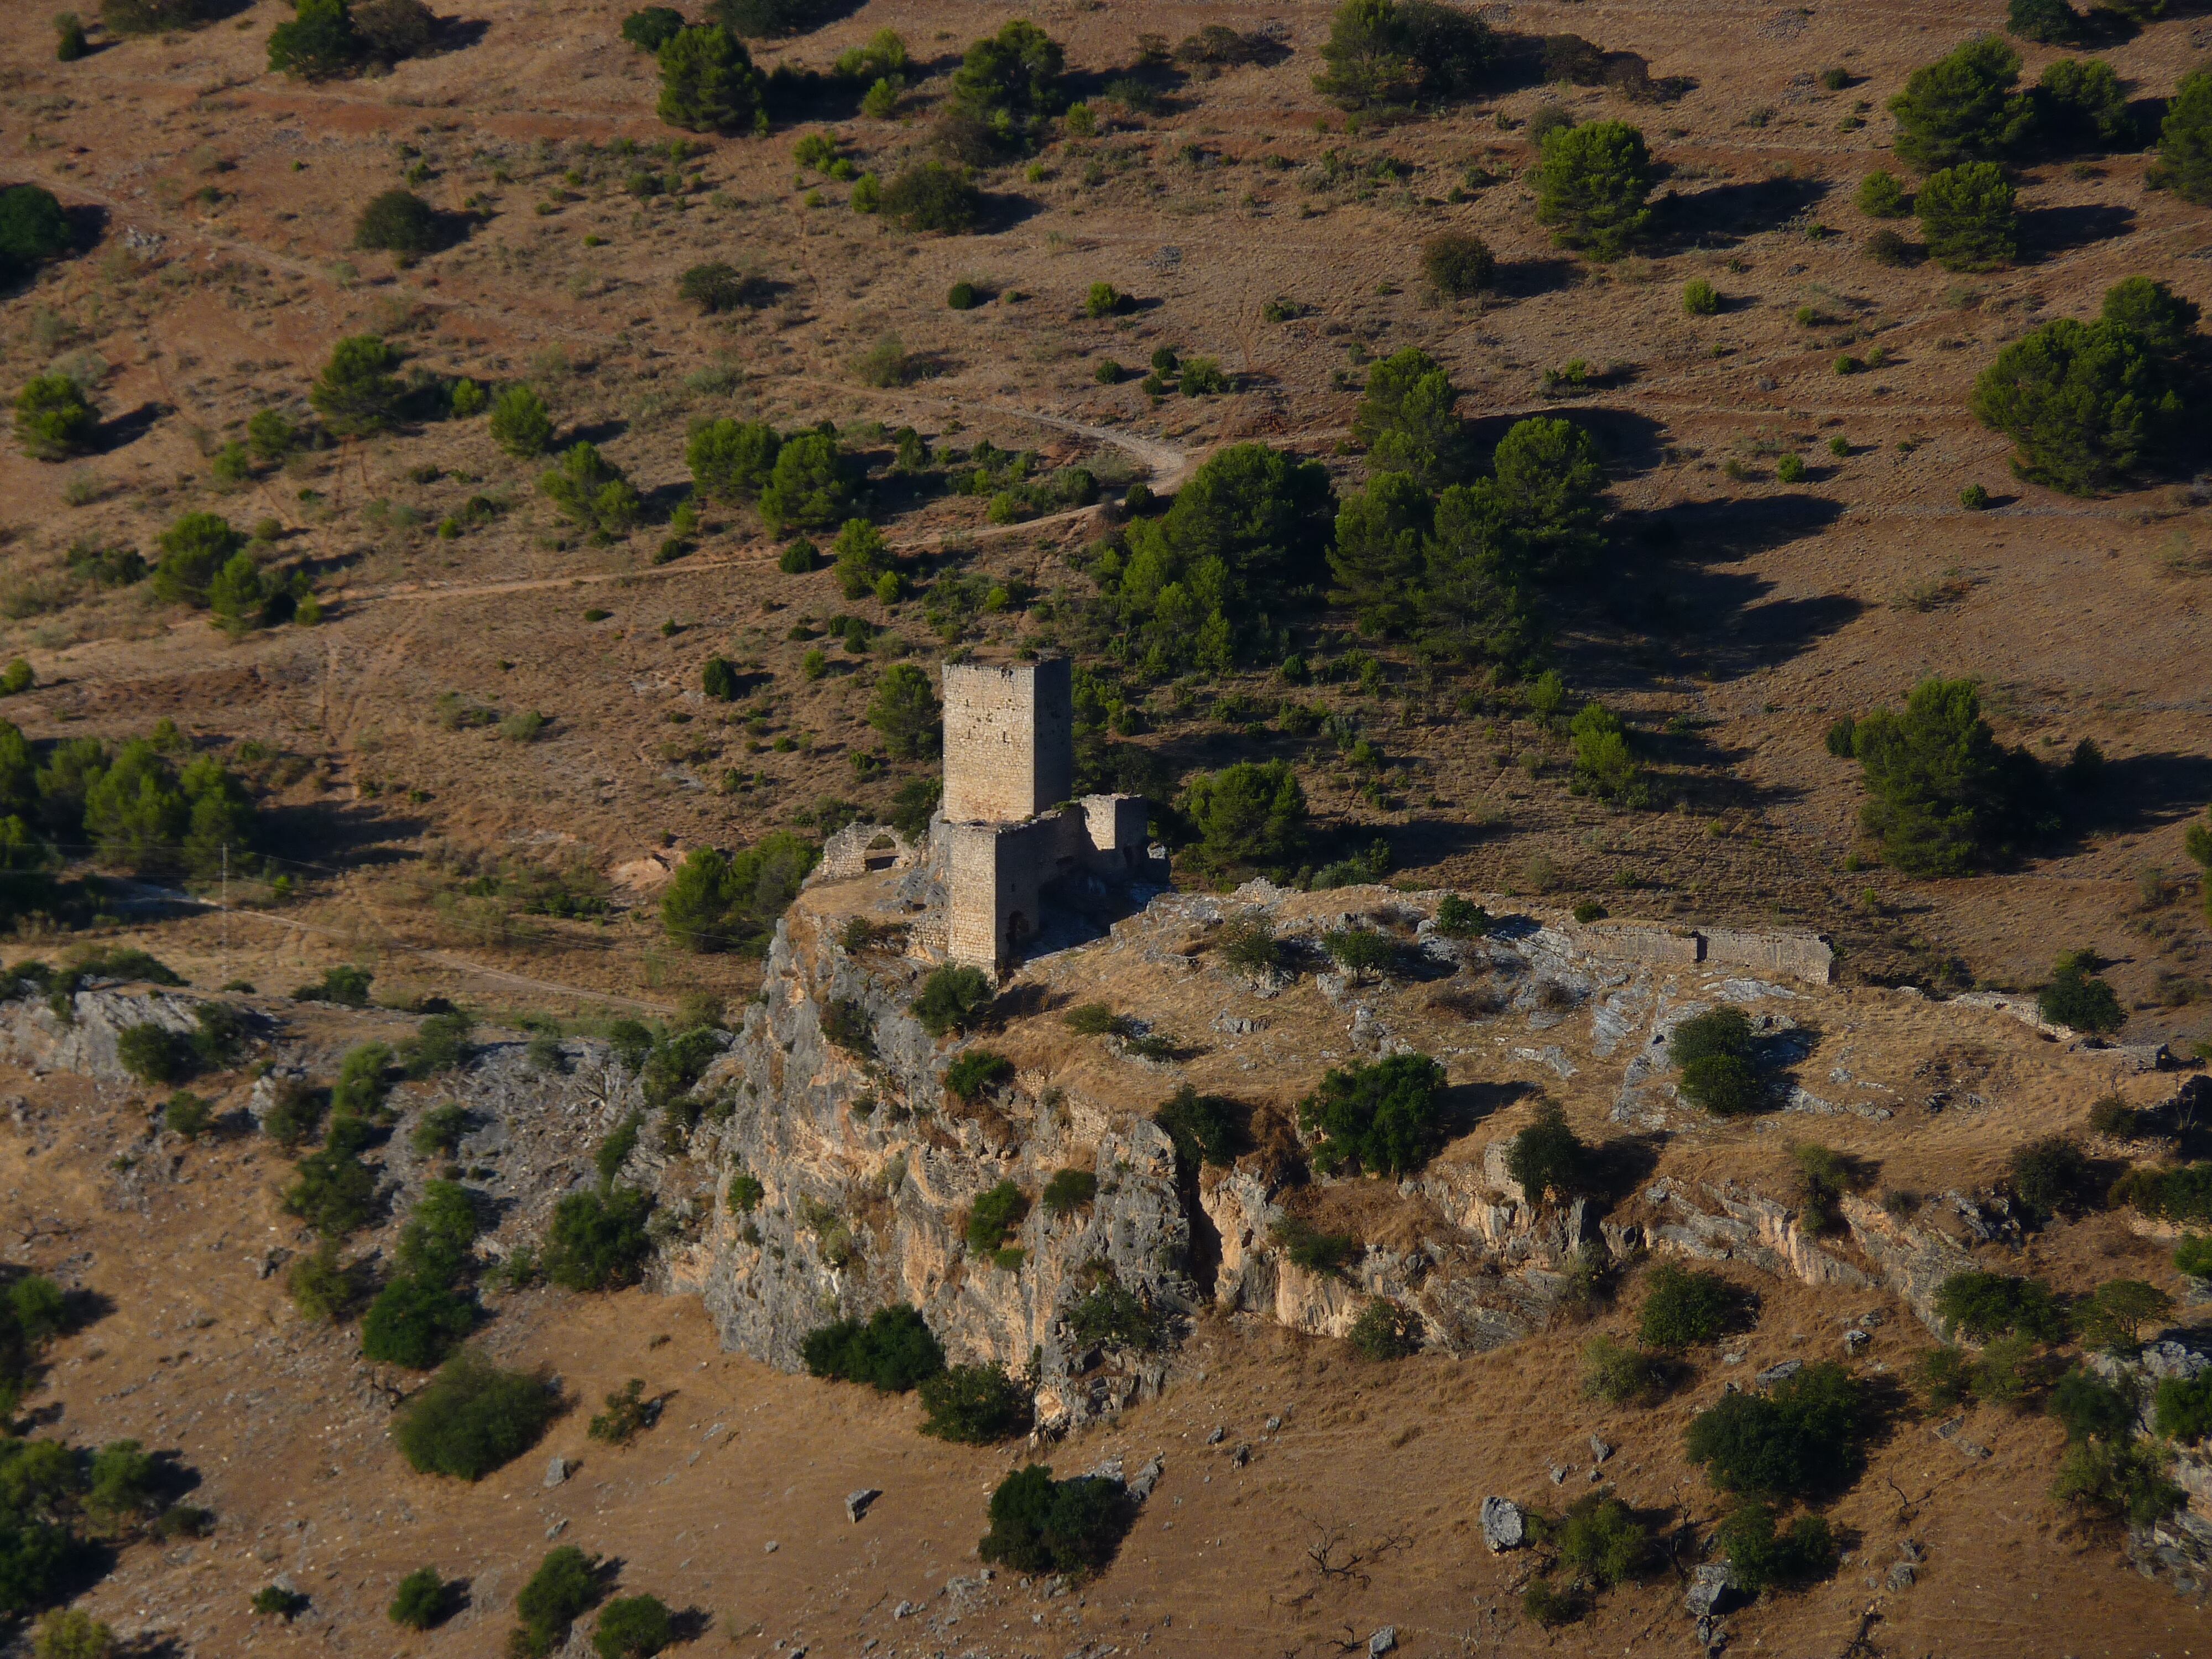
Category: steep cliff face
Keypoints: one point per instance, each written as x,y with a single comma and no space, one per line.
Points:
866,1169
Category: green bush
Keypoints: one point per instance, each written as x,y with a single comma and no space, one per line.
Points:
1980,1305
34,228
1248,815
2113,1316
416,1320
2193,1256
811,486
332,1190
563,1589
760,18
650,28
1601,1542
54,420
2089,403
1761,1558
421,1600
975,1404
1807,1439
1685,1306
2077,997
1386,55
1385,1330
1605,758
800,557
1548,1157
708,83
633,1627
733,460
154,1054
929,196
319,41
1385,1118
185,1114
1360,951
1944,798
2182,1407
977,1072
1041,1525
1594,183
1880,197
952,999
2051,1176
1700,298
1622,1375
357,394
440,1043
905,713
2123,1479
519,424
2081,107
1458,264
994,1215
1205,1128
194,548
473,1418
1716,1055
1459,918
892,1352
592,492
2051,23
398,222
2090,1407
1305,1246
1067,1191
1968,217
717,902
598,1240
1963,107
2184,139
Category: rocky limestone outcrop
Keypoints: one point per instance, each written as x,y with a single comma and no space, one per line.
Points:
866,1171
79,1032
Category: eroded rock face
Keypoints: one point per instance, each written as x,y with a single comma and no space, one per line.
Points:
867,1170
36,1035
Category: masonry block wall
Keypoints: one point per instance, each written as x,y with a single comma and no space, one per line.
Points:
1009,740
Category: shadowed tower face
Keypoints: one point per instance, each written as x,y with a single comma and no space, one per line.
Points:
1009,740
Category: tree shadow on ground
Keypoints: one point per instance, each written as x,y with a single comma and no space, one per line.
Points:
1462,1107
120,431
2137,793
1524,279
2047,232
1726,213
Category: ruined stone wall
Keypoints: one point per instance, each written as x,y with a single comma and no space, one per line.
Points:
1799,956
1009,740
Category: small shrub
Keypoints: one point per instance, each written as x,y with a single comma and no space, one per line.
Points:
1968,217
1622,1375
1762,1557
1684,1306
1548,1157
2051,1176
1980,1305
1549,1607
1601,1541
1248,942
1700,298
519,424
398,222
154,1054
1067,1191
633,1627
2090,1407
1385,1330
931,196
1383,1117
421,1600
994,1214
2077,997
185,1114
415,1320
650,28
1974,498
1041,1525
2193,1256
975,1073
628,1414
1205,1128
800,557
275,1601
598,1240
472,1419
975,1404
1880,197
2122,1479
1805,1438
1790,469
951,1000
561,1590
893,1351
1361,951
1458,264
1303,1245
1459,918
53,418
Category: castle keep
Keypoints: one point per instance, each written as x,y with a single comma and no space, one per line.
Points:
1010,832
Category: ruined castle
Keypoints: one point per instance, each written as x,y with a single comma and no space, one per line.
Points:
1011,834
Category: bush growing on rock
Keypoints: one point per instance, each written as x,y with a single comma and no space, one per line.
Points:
1068,1191
473,1418
1041,1525
1805,1438
977,1073
598,1240
1719,1068
1383,1118
893,1351
565,1587
975,1404
1685,1306
952,999
1548,1157
994,1215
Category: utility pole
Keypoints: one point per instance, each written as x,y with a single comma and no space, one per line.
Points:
225,906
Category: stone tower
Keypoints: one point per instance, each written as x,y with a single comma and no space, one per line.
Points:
1009,740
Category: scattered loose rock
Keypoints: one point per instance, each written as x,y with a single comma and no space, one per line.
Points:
1504,1527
